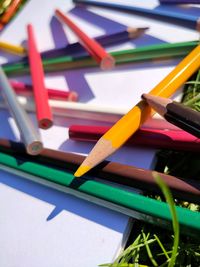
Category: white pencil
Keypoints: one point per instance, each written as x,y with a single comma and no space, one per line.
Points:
27,130
90,112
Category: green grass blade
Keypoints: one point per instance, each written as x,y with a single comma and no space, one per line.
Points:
175,224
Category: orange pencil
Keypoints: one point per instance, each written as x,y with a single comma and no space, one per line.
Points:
93,47
130,123
43,111
10,12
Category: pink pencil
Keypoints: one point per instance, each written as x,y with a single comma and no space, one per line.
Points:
44,115
27,89
93,47
156,138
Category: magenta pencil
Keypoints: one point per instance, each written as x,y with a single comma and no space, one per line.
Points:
93,47
156,138
27,89
43,111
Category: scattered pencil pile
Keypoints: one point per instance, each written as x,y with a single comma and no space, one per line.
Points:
46,102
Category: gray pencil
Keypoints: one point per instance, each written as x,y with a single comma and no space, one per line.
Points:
28,133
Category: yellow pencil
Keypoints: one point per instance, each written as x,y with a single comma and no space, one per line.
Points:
129,123
13,49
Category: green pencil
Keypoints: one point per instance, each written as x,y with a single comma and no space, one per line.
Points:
145,53
118,199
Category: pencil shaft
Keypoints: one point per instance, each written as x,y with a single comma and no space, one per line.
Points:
136,116
76,49
184,117
93,48
76,110
10,11
147,137
28,133
27,89
145,53
14,49
160,13
144,208
130,123
179,1
43,110
176,113
119,173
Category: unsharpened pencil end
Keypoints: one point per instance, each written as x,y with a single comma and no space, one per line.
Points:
107,63
45,123
82,170
34,148
73,96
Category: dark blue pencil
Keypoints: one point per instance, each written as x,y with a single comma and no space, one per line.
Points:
75,49
189,21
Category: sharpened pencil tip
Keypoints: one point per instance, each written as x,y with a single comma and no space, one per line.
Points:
82,170
144,96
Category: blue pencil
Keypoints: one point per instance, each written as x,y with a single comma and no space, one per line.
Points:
178,2
160,13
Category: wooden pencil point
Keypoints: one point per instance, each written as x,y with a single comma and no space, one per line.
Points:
130,123
136,32
159,105
102,149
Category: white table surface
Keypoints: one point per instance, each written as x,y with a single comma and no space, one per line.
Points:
40,226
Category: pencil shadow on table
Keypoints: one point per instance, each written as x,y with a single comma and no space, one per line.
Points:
61,201
108,25
58,34
77,82
9,57
6,128
76,79
192,10
145,39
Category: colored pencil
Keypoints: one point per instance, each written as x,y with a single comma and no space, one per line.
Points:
76,49
27,89
180,115
10,12
43,110
76,110
154,138
29,135
13,49
132,204
178,2
91,112
93,47
129,124
161,13
145,53
111,171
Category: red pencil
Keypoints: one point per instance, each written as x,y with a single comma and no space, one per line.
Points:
156,138
27,89
93,47
44,115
